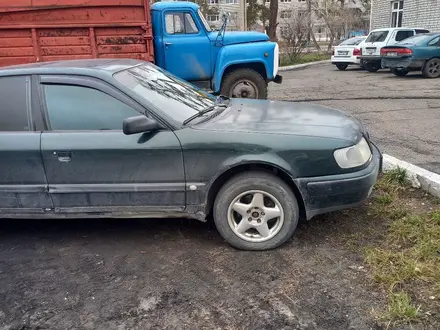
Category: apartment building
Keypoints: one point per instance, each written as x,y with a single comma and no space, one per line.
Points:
405,13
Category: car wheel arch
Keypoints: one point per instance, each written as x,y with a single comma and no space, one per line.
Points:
232,171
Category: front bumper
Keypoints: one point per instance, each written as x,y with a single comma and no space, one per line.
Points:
332,193
278,79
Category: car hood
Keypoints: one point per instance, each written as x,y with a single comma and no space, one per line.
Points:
239,37
277,117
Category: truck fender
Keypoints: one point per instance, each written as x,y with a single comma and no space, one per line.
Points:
246,55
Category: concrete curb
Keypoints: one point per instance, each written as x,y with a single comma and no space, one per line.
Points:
418,177
299,66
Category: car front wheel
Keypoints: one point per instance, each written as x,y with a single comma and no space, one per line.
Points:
341,67
400,72
256,211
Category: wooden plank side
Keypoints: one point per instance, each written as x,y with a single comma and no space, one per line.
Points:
16,33
5,61
63,32
117,40
67,16
16,52
26,5
66,50
66,57
121,49
64,41
15,42
118,31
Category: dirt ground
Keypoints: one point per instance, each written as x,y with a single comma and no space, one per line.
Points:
173,274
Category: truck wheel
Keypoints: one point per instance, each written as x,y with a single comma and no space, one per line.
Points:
244,83
341,67
401,72
372,66
431,69
256,211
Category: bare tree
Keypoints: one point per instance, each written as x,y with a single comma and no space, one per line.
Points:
295,32
273,20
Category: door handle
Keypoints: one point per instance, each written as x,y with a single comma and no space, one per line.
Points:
63,156
168,43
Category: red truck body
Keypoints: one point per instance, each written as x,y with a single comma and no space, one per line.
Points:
51,30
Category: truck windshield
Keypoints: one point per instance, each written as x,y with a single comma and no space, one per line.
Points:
173,96
377,36
205,23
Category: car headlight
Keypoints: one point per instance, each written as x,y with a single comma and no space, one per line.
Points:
276,59
353,156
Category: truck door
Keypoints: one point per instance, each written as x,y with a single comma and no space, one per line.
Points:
187,48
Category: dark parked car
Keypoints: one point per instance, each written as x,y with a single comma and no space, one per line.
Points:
123,138
418,53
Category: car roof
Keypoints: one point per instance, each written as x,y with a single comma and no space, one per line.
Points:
94,67
174,4
398,29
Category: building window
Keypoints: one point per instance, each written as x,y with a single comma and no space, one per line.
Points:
286,1
213,2
286,14
233,18
231,1
396,13
213,18
302,13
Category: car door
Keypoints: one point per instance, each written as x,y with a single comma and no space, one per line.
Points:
432,49
186,47
92,166
23,185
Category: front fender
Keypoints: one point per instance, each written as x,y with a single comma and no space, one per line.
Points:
242,54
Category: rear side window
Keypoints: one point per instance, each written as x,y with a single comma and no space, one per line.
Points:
14,100
79,108
418,31
434,42
401,35
377,36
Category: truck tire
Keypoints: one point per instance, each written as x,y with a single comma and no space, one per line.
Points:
431,69
372,66
244,83
256,211
400,72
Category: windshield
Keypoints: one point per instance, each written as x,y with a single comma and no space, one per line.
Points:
173,96
377,36
414,40
351,42
205,23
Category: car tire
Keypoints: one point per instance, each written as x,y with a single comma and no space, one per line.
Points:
431,69
240,82
400,72
342,67
372,66
260,197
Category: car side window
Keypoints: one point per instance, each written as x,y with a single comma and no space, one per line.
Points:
81,108
180,23
400,35
434,42
14,98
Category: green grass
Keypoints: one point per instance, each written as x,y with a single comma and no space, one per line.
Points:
401,307
406,261
306,58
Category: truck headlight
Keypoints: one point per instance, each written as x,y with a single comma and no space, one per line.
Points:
276,59
353,156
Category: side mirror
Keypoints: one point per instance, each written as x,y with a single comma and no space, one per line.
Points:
139,124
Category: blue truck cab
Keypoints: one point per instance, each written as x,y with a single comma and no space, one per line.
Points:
235,64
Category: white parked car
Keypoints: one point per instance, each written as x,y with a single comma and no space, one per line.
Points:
370,58
347,53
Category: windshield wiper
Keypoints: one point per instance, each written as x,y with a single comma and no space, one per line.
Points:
219,102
